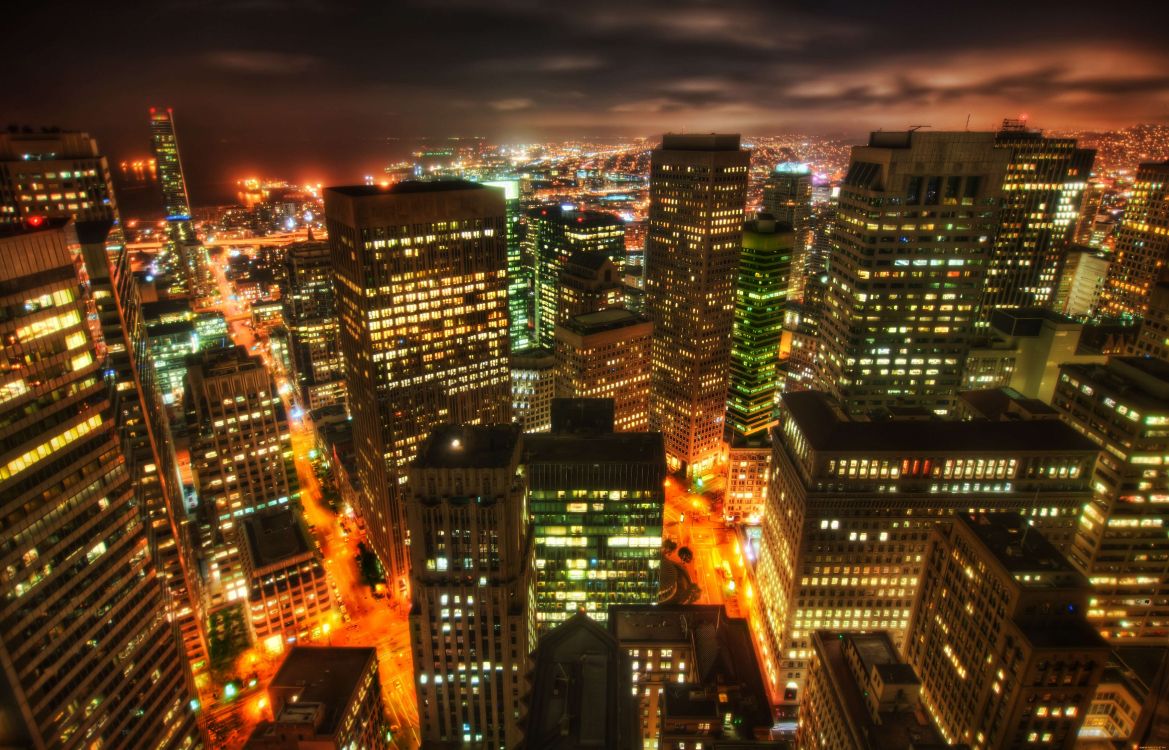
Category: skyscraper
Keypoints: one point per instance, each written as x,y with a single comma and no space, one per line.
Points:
533,386
1042,191
596,498
187,252
422,303
473,620
1142,245
851,500
787,197
88,654
589,282
310,313
698,188
520,314
555,234
606,354
998,636
1121,544
904,279
241,458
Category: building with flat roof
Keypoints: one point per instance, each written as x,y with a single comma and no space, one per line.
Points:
998,636
698,191
580,691
289,598
852,501
862,696
533,386
324,698
1121,544
607,354
596,497
422,304
472,622
310,314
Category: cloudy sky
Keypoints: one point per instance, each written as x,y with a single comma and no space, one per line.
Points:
320,88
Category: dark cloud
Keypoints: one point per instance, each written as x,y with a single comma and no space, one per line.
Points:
334,88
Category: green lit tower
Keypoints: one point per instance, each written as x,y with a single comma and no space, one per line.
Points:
519,277
764,270
190,255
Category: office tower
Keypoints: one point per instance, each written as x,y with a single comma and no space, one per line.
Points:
760,295
1131,698
555,234
69,167
862,696
851,500
1091,206
904,280
1081,280
607,354
533,386
698,188
1153,335
171,344
1121,545
422,304
580,693
998,636
473,619
288,592
310,314
241,458
596,498
787,197
695,649
85,612
1142,245
187,251
1042,191
324,698
588,283
1024,351
520,315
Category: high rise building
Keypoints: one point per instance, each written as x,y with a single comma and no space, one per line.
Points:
1142,245
904,280
88,653
1153,335
422,303
521,318
787,197
1042,190
324,698
1121,545
606,354
581,694
698,189
310,312
1081,281
62,175
851,502
862,696
186,250
998,636
596,498
473,620
764,269
589,282
533,386
555,234
241,458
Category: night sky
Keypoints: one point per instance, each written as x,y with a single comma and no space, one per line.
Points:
329,90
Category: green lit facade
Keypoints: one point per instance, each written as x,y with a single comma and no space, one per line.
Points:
555,233
760,297
519,274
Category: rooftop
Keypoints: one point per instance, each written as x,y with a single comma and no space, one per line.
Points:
469,447
274,537
603,320
533,358
828,429
1028,321
616,447
1018,547
660,623
1141,380
558,213
1005,404
326,675
700,142
407,187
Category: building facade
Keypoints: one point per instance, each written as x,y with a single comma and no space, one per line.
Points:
310,313
533,386
520,315
999,639
1142,245
421,282
606,354
1123,407
787,198
698,190
189,257
472,624
904,281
